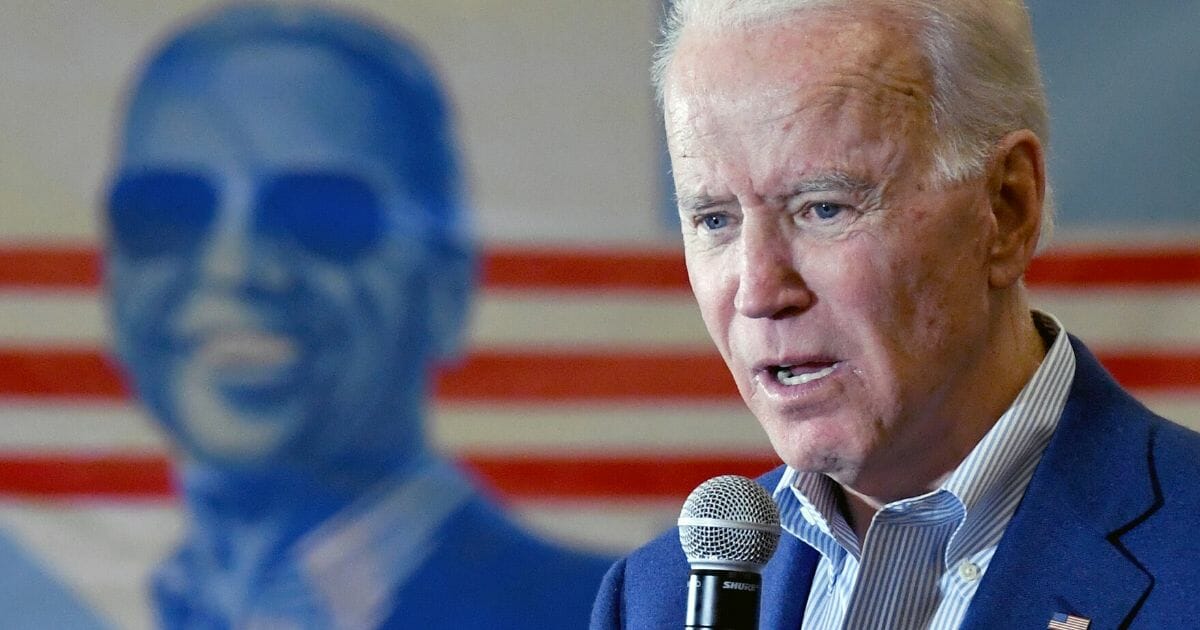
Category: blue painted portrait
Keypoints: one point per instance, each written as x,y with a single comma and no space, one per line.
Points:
288,258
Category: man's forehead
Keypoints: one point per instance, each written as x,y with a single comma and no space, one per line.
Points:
273,104
774,117
846,80
871,48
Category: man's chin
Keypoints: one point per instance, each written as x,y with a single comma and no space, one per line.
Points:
816,444
239,440
830,467
817,456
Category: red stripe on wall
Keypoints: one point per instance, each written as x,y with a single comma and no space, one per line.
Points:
85,476
60,373
49,267
583,377
654,476
66,267
652,270
560,269
534,378
84,374
1116,268
149,476
1159,371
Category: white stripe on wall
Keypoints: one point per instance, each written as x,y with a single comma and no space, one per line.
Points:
678,429
666,428
1142,318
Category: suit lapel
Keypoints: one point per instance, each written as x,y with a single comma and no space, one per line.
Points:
786,581
1062,551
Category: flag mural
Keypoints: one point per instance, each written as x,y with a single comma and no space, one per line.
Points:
585,372
590,374
591,400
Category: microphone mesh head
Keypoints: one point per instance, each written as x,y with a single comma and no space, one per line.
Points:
729,521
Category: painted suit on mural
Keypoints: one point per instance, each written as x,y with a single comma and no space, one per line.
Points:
288,257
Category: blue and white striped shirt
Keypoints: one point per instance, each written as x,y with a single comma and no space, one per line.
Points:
923,557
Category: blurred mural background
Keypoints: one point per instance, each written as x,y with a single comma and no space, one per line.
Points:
590,401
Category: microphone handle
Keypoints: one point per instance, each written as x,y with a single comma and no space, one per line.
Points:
722,600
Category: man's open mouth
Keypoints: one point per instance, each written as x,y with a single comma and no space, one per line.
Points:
249,357
800,374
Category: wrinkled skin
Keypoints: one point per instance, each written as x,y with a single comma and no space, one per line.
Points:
817,241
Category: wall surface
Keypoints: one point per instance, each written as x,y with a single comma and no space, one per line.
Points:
591,400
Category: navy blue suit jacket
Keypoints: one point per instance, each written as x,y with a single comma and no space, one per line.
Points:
1108,529
491,574
484,572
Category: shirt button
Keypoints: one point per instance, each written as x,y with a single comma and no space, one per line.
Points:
969,571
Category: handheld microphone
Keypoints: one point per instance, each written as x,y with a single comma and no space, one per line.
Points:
729,527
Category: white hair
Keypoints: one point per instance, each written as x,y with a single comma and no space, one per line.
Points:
986,81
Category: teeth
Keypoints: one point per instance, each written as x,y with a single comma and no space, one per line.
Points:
787,376
249,351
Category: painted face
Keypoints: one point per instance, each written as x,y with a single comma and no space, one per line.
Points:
847,293
265,261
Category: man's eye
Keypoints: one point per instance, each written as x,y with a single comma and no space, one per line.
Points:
825,210
714,221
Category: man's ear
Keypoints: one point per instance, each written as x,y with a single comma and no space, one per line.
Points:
450,283
1017,186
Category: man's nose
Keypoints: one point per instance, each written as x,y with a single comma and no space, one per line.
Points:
770,284
238,255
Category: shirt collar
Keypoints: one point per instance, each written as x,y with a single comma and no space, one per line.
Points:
1022,432
357,560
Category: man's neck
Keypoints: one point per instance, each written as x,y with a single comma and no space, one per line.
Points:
1019,350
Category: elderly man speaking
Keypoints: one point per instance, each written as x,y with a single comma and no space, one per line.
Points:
861,188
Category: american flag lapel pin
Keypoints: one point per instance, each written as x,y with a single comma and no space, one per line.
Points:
1063,621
